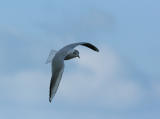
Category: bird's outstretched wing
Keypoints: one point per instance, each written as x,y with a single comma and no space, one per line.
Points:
57,71
51,56
67,48
90,46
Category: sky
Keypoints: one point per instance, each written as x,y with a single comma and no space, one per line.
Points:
122,81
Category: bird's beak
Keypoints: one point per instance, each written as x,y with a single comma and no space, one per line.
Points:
78,56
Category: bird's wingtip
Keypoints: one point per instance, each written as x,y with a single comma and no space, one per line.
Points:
96,49
50,99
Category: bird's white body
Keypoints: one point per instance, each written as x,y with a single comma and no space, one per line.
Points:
57,58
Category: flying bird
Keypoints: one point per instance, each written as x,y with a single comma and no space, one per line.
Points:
56,58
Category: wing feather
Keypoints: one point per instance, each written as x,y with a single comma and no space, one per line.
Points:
70,47
90,46
51,56
57,72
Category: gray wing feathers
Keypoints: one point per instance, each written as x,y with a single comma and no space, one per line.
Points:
51,56
67,48
55,81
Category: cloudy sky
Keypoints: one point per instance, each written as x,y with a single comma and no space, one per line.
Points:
122,81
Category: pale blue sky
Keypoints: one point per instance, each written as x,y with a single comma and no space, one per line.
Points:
120,82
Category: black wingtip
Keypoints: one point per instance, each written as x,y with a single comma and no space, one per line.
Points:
50,99
91,46
97,50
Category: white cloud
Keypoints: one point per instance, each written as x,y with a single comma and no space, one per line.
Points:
102,85
155,84
25,87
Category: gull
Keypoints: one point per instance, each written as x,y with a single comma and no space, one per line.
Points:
56,58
